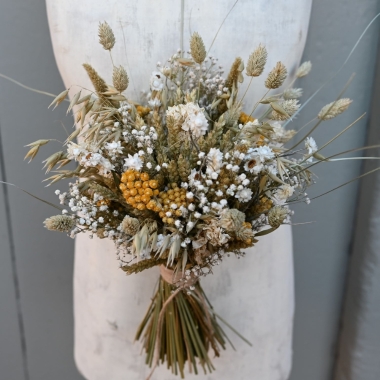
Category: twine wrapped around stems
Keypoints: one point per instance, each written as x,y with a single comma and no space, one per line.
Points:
180,326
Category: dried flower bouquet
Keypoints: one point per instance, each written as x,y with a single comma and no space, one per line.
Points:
182,179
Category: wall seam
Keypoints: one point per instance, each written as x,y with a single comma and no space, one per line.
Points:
15,276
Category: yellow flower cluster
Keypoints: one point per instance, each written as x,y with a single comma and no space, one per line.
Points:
171,202
138,190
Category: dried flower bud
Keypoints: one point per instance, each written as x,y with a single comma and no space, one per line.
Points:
244,234
130,225
289,106
257,61
197,48
120,78
106,36
292,93
61,223
277,215
276,77
334,109
232,219
304,69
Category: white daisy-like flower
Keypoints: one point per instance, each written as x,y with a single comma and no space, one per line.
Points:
197,124
114,147
156,81
282,194
263,153
253,166
94,159
133,162
244,195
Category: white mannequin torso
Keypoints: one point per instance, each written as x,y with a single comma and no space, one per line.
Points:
254,294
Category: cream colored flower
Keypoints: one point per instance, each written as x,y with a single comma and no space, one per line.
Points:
231,219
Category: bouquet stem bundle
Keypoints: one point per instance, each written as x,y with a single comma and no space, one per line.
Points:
179,328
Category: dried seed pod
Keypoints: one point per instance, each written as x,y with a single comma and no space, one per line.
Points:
304,69
120,78
276,77
334,109
106,36
197,48
130,225
257,61
285,109
61,223
98,82
292,93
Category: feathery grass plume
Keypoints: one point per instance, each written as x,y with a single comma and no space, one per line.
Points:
257,61
289,106
304,69
292,93
235,73
106,36
197,48
214,136
61,223
276,77
232,116
173,171
334,109
120,78
184,168
277,215
98,82
227,141
105,192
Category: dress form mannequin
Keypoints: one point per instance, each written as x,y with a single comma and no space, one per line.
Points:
254,294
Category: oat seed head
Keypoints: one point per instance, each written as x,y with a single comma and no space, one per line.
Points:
61,223
106,36
332,110
304,69
276,77
197,48
257,61
120,78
